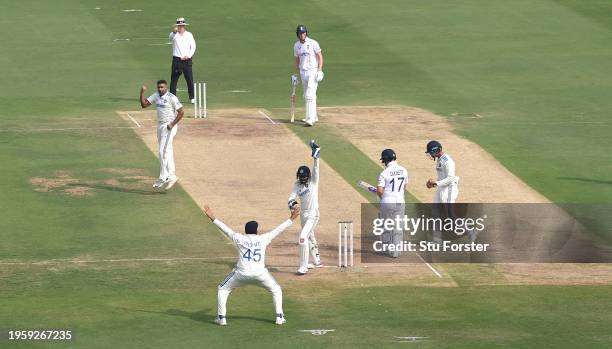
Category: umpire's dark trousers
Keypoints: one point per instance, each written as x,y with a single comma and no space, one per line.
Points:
179,67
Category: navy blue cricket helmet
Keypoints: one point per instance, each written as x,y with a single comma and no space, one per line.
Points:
433,147
300,29
303,174
387,156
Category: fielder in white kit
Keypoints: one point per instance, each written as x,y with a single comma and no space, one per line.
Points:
251,266
447,185
307,189
169,114
309,63
391,183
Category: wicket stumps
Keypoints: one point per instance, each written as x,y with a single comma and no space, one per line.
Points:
199,107
345,244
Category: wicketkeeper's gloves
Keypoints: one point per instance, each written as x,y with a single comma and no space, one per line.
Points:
316,150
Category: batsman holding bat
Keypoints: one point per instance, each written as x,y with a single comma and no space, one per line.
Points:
390,190
309,63
307,189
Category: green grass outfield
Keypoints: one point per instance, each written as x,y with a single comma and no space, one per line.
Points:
537,71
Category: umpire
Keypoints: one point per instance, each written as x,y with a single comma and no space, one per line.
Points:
183,48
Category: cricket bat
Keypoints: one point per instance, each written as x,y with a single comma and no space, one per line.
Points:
366,186
294,81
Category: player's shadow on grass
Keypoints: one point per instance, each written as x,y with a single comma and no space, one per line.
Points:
204,315
590,180
116,189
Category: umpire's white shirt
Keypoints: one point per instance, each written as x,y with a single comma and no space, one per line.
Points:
251,247
307,52
394,179
183,45
166,106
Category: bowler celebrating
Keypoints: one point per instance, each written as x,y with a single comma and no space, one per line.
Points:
306,187
251,267
169,113
309,63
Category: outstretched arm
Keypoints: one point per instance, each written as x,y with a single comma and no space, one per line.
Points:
224,228
286,224
143,101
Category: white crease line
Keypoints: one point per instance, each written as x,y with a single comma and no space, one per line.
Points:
429,265
267,117
133,120
67,129
67,261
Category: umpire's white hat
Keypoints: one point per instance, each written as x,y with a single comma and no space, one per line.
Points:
181,21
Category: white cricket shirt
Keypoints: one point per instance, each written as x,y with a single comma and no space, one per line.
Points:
183,45
251,247
308,193
394,179
307,52
166,106
445,169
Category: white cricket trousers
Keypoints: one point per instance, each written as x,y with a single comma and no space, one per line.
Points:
309,82
446,195
395,236
167,170
236,279
307,241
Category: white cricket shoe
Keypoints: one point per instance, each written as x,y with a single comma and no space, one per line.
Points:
280,319
221,321
171,183
192,101
308,124
315,265
159,183
302,270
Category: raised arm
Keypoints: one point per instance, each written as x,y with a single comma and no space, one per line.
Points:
316,153
224,228
286,224
143,101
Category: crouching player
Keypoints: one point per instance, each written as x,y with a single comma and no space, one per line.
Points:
251,267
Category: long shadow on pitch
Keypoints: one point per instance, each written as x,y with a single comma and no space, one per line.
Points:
116,189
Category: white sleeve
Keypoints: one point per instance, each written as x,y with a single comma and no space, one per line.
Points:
152,98
295,51
192,47
450,178
315,172
294,193
381,180
171,36
316,47
225,229
274,233
177,103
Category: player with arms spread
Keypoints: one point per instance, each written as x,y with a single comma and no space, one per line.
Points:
307,189
251,266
